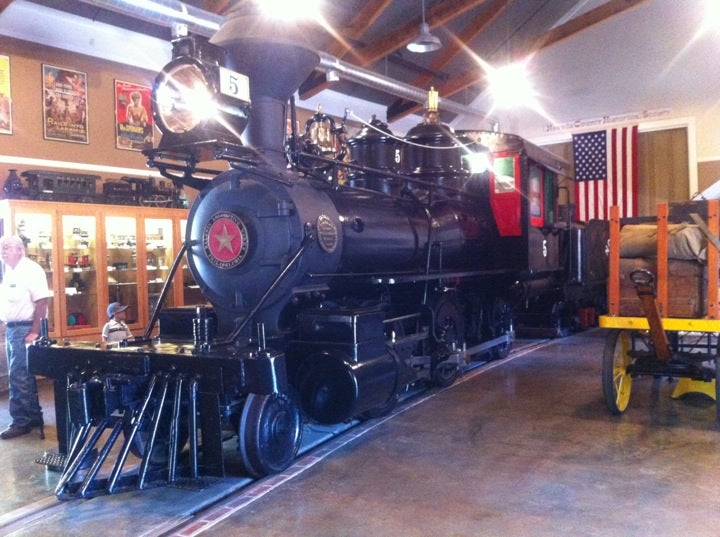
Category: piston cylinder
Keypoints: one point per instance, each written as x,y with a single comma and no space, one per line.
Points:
333,388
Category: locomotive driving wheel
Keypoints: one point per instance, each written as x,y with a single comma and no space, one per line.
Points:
616,378
449,329
269,433
500,322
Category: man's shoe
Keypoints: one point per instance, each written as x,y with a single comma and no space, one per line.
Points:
14,431
37,422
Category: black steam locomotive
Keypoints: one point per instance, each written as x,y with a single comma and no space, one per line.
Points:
335,282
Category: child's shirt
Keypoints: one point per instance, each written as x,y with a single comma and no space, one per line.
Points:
115,330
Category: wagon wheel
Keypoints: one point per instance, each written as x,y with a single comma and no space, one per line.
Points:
449,329
616,379
269,433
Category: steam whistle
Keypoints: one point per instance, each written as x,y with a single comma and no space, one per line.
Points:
431,117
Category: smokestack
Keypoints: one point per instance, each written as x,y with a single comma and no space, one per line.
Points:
277,58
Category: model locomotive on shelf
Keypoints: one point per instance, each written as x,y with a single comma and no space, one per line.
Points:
49,185
335,283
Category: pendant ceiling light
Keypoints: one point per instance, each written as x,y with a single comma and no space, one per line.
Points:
425,41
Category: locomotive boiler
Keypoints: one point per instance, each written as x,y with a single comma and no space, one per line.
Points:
335,282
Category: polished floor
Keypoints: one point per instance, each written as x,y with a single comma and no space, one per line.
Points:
521,447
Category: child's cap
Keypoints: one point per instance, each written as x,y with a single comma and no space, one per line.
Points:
114,308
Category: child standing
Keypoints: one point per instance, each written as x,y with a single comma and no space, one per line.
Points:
116,329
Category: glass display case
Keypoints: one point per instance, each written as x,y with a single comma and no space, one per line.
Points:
122,264
36,229
95,255
159,254
191,290
79,257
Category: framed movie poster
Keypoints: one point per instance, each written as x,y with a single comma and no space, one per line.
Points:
133,117
65,107
5,98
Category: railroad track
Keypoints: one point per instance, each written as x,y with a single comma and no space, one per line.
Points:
237,494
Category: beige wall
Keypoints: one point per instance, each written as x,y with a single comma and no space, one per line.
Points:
27,140
26,60
708,174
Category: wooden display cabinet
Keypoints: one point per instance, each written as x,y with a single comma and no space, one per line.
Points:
37,227
77,295
190,294
97,254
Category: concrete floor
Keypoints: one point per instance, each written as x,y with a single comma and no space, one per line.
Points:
524,447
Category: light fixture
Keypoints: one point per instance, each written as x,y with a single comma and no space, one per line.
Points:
425,41
510,86
196,99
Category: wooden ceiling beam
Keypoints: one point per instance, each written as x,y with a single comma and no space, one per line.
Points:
437,16
570,28
403,107
585,21
354,30
219,7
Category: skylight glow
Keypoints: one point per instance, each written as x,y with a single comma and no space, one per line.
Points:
291,10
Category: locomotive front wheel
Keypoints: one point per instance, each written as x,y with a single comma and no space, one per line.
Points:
269,433
616,380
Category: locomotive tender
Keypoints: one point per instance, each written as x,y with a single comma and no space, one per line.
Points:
335,284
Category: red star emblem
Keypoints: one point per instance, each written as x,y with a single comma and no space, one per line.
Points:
225,240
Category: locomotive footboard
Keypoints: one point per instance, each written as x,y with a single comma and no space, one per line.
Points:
173,408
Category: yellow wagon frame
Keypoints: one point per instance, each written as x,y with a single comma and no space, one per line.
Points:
616,378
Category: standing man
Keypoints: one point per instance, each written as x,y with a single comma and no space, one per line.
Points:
24,298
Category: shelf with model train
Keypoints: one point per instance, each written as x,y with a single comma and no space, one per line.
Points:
63,186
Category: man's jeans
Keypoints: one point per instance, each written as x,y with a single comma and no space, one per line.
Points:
24,404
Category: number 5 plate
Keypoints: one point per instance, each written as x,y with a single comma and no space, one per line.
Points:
234,84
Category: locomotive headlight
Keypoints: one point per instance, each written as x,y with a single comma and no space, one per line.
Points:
196,99
183,100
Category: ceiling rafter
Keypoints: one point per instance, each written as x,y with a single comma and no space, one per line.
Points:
403,107
437,16
355,29
586,20
360,23
570,28
219,7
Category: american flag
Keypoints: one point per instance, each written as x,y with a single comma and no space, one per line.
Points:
606,172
